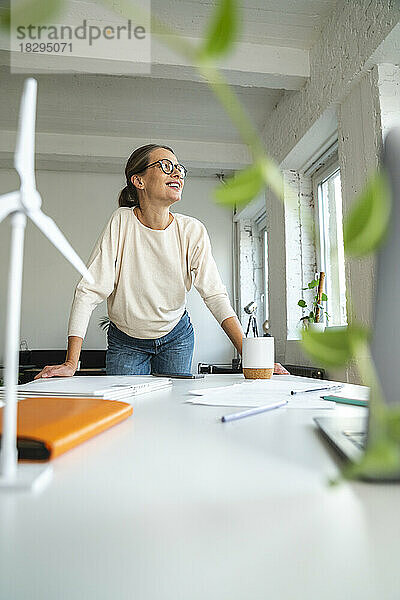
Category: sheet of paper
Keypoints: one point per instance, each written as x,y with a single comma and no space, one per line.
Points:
255,394
276,385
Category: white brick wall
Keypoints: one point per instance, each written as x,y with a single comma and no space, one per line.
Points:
250,271
300,246
350,36
364,117
247,283
388,82
302,123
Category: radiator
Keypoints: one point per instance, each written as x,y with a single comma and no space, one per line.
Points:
302,371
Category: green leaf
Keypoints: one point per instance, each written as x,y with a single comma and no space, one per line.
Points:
368,219
312,284
30,12
302,303
335,346
273,177
5,18
380,457
242,187
222,30
392,418
324,297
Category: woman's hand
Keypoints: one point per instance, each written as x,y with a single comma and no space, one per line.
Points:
279,370
67,369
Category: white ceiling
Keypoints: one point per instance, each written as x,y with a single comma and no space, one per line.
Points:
133,107
287,23
173,103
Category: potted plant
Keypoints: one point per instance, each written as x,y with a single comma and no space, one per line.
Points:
104,323
312,319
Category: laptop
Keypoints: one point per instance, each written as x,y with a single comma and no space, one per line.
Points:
350,436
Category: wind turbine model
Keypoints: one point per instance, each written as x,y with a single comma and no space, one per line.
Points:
25,202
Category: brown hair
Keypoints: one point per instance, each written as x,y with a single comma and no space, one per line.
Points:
137,162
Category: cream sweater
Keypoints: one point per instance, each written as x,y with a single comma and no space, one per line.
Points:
144,274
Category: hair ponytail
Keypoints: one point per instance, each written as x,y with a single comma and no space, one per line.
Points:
137,163
128,196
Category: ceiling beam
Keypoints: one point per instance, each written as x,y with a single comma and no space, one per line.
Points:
249,65
95,153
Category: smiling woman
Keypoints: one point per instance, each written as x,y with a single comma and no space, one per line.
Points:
143,263
138,162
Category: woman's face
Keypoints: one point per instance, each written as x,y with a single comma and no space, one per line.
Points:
155,185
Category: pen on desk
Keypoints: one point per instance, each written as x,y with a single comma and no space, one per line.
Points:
321,389
252,411
353,401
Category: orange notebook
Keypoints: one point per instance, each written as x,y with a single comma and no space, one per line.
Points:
47,427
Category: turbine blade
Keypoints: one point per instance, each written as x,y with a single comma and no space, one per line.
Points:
48,227
9,203
24,157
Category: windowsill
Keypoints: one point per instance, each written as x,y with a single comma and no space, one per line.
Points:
293,338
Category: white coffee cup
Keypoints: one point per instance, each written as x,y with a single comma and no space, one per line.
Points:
258,357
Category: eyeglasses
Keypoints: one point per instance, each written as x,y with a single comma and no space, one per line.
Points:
168,167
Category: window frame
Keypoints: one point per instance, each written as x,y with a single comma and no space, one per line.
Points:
262,232
319,177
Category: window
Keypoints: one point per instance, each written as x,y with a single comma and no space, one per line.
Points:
252,257
260,226
265,272
330,249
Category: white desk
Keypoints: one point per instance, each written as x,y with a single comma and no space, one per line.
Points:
174,505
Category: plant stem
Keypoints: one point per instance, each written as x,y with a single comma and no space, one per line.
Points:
369,377
207,70
233,107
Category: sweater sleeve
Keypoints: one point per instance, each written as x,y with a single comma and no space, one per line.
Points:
101,265
207,279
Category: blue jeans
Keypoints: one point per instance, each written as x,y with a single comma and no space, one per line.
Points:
169,354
